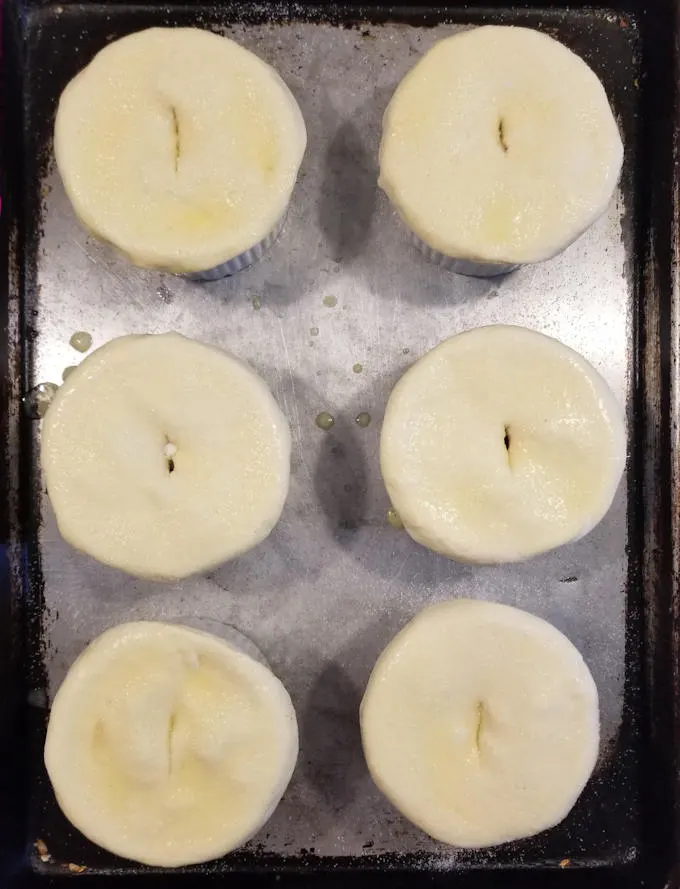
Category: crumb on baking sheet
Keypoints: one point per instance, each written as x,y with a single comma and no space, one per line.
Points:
76,868
41,849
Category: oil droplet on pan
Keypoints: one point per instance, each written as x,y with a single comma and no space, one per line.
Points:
81,341
67,371
330,301
393,519
324,421
357,368
362,419
39,399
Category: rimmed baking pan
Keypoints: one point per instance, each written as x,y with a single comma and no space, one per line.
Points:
331,317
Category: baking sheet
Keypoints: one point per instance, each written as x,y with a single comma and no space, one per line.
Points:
342,288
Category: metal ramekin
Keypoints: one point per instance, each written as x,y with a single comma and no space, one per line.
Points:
242,261
473,268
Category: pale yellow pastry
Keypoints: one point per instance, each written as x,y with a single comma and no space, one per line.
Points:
168,746
480,723
165,457
180,148
499,147
501,443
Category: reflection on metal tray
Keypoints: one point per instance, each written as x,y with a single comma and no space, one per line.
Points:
331,317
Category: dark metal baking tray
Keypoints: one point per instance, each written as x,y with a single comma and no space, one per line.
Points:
624,831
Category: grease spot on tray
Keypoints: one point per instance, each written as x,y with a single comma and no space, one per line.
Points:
325,421
38,399
81,341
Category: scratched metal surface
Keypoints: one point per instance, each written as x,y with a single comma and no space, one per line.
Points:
333,583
